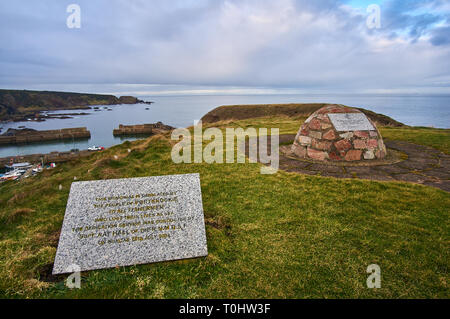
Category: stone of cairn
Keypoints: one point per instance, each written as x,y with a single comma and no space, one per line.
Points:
319,139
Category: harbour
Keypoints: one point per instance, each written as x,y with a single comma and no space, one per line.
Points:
182,111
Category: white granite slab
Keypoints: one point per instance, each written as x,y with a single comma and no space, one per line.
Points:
130,221
344,122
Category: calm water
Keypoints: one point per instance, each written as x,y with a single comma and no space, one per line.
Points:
181,111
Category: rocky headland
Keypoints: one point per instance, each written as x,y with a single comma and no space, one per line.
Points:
19,105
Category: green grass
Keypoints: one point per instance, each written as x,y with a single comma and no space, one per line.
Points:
285,124
274,236
433,137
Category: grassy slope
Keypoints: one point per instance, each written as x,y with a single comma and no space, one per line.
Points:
283,235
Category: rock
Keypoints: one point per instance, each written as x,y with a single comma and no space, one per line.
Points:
321,145
368,155
325,126
304,140
317,155
329,135
347,135
343,145
381,145
315,134
361,134
360,144
128,100
323,118
315,124
372,143
353,155
334,156
299,150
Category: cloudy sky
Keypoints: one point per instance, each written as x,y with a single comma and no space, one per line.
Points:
226,46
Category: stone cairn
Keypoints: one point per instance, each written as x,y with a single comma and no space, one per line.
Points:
318,139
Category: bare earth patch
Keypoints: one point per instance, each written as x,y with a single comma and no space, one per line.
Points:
406,162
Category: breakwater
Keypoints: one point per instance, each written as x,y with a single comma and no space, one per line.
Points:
12,137
142,129
53,157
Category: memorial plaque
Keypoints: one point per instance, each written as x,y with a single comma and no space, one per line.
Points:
130,221
350,122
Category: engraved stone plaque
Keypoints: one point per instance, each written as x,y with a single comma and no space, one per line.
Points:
350,122
130,221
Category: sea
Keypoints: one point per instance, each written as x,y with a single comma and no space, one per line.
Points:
183,111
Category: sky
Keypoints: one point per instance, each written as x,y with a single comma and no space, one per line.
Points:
143,47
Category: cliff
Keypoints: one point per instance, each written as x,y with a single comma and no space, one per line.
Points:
20,104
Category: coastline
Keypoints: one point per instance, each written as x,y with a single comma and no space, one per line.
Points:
41,116
27,105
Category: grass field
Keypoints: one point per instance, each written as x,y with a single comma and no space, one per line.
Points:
269,236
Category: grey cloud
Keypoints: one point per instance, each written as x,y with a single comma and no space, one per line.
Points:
285,43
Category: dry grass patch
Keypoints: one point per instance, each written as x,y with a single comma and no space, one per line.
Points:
18,213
